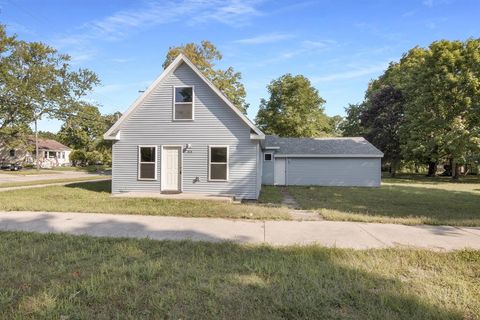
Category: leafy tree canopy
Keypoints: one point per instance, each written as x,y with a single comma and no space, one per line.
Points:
294,109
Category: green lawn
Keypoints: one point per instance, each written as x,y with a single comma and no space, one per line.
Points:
68,277
96,197
408,200
49,181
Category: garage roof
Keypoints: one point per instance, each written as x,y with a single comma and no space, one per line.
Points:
322,147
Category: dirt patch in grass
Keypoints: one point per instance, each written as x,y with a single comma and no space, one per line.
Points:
59,276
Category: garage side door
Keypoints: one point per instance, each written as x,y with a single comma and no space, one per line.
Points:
279,172
334,171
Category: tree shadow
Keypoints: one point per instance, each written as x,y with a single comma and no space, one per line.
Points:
105,277
95,186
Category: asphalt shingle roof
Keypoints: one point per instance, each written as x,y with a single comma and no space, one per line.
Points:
48,144
322,146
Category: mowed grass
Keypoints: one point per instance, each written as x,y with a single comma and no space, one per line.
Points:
95,197
68,277
49,181
407,200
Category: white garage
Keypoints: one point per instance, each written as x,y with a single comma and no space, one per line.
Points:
321,161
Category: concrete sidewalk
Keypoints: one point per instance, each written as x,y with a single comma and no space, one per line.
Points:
94,179
327,233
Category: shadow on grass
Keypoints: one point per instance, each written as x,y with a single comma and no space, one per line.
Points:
433,205
106,277
422,178
95,186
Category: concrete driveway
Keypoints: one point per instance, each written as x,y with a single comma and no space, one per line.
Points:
278,233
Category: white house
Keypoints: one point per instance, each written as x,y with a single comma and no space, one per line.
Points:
183,135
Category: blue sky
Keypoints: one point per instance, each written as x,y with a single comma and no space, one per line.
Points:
338,45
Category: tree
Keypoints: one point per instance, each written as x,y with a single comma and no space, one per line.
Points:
351,125
381,119
14,118
336,125
442,110
39,81
78,157
84,129
294,109
204,57
47,135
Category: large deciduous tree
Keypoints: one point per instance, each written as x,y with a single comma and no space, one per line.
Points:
443,102
84,129
352,126
39,82
294,109
204,56
382,119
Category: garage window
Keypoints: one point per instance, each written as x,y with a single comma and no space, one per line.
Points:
267,157
147,163
218,163
183,108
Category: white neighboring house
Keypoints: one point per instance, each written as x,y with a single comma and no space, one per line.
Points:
51,153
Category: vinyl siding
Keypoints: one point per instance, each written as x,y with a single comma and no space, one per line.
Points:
215,124
334,172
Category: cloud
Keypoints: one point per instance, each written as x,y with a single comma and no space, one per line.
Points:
264,38
305,47
351,74
124,23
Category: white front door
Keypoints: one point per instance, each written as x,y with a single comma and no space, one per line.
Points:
171,168
279,172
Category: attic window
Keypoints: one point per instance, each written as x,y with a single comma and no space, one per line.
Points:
183,103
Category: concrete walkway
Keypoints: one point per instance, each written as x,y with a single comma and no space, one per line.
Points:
326,233
94,179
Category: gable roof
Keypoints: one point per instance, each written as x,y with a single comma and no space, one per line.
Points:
48,144
322,147
112,133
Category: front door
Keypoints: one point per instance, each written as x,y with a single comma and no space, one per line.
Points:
279,172
172,167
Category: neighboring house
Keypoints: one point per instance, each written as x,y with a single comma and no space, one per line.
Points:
51,153
183,135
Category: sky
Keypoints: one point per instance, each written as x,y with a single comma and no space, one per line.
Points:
339,45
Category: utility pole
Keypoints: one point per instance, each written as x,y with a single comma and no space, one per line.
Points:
36,145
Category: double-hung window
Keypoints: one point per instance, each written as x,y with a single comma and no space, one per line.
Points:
218,163
183,108
147,162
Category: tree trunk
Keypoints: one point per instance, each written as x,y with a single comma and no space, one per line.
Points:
393,168
37,160
432,169
455,170
416,168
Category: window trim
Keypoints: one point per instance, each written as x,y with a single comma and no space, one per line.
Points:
175,103
271,156
139,162
210,163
